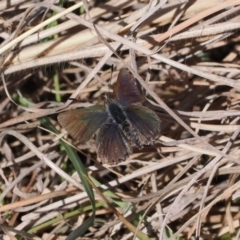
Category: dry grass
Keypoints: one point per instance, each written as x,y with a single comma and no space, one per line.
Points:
185,54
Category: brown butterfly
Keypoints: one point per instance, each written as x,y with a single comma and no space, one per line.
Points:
122,122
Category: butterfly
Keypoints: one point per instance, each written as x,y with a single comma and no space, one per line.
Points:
121,123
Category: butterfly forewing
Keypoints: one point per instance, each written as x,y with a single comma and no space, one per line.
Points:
145,121
82,123
126,91
112,145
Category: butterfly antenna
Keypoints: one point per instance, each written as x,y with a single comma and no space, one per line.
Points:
111,75
106,96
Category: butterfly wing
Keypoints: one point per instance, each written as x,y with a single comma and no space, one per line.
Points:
145,121
126,90
112,145
82,123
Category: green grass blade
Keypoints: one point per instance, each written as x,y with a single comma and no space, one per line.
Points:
76,161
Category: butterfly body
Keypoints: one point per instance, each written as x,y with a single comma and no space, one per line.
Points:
116,112
121,123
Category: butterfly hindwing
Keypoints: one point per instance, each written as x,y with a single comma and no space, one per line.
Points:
112,145
82,123
145,121
126,91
